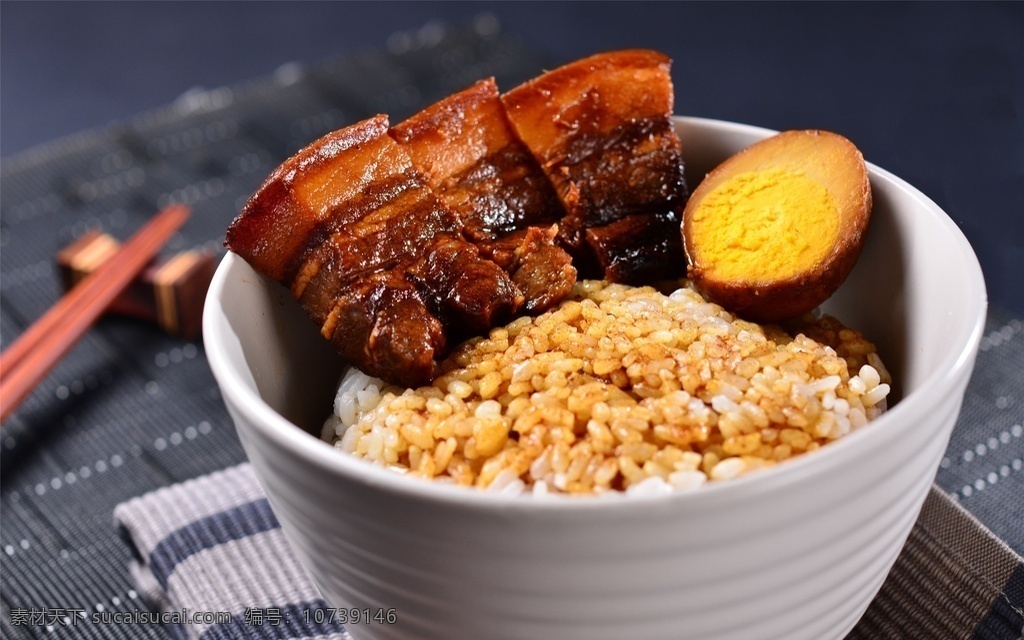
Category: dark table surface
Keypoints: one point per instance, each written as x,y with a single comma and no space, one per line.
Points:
933,92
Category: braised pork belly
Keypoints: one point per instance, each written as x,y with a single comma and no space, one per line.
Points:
400,242
601,129
473,161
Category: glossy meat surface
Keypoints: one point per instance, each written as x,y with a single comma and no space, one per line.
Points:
542,270
639,249
402,242
473,160
301,195
371,254
601,129
470,293
381,323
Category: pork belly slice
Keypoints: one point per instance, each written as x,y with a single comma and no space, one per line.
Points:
470,293
381,324
393,232
471,158
539,267
639,249
601,129
301,199
395,323
353,230
474,162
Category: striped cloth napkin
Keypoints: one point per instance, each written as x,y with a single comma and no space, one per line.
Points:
211,557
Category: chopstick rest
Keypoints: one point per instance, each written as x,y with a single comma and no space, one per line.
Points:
42,345
168,293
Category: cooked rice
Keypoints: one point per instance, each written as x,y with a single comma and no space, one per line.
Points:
618,388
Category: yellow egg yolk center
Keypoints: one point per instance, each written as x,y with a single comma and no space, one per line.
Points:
764,226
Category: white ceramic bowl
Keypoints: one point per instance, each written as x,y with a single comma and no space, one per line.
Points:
795,552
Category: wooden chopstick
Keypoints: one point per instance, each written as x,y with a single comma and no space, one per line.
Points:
24,364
